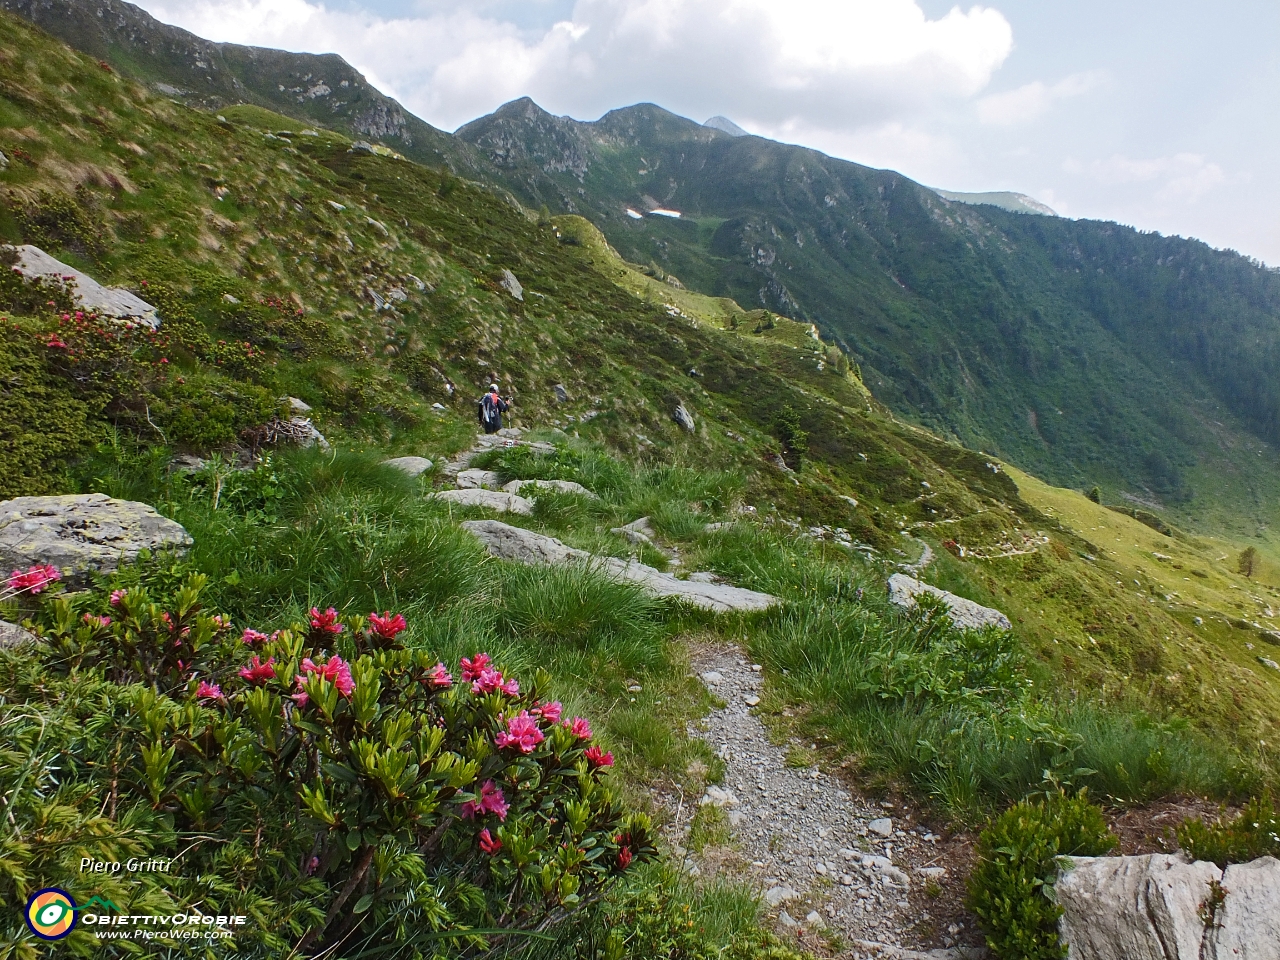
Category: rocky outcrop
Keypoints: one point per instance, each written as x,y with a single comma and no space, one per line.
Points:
525,546
488,499
684,418
479,480
12,635
510,284
1156,907
82,533
559,486
413,466
965,614
89,295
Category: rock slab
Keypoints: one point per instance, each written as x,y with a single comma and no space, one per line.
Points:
559,486
524,546
82,533
473,479
488,499
1153,907
965,614
88,293
413,466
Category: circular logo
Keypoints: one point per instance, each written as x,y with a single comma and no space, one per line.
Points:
51,913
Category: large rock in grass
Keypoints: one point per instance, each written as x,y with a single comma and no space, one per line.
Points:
12,635
82,533
524,546
1155,907
1247,926
88,294
558,486
476,479
966,614
487,499
413,466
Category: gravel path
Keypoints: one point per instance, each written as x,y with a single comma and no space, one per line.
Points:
828,862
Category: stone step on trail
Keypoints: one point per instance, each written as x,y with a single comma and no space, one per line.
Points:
525,546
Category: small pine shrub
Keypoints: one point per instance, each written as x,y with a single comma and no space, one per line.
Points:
1017,865
1254,833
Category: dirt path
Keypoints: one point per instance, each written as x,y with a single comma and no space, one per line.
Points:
835,867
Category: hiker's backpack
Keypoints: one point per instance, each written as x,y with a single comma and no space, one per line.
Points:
488,409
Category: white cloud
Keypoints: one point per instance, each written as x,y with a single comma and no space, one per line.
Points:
1183,177
1033,100
816,64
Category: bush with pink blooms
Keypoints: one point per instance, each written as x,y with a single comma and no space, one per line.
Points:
369,791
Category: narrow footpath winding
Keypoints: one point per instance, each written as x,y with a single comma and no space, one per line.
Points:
834,866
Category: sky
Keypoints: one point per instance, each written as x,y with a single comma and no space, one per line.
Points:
1162,114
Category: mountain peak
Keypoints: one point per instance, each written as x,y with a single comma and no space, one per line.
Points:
725,125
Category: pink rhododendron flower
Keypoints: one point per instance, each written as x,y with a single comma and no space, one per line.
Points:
209,691
471,669
117,596
491,801
488,843
35,579
438,676
326,622
93,621
491,680
387,626
579,728
259,672
624,858
549,712
522,732
597,757
335,670
252,636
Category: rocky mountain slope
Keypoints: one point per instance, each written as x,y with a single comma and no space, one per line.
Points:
1087,351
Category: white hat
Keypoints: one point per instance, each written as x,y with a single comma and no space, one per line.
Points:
493,387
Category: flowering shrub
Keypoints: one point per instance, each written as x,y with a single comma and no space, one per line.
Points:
384,798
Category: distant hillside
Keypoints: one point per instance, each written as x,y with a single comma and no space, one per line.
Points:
1004,199
1086,351
322,89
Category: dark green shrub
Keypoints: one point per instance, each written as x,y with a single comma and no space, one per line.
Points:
365,795
1254,833
1017,866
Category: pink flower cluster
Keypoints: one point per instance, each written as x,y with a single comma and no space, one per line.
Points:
386,626
438,676
326,622
522,733
488,843
35,579
97,622
484,679
209,691
259,672
491,801
335,670
548,712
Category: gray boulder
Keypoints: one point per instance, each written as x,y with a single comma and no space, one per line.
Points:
413,466
90,295
473,479
12,635
559,486
81,533
1134,908
525,546
684,418
488,499
1247,926
965,614
510,284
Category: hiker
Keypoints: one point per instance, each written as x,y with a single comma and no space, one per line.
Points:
492,407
